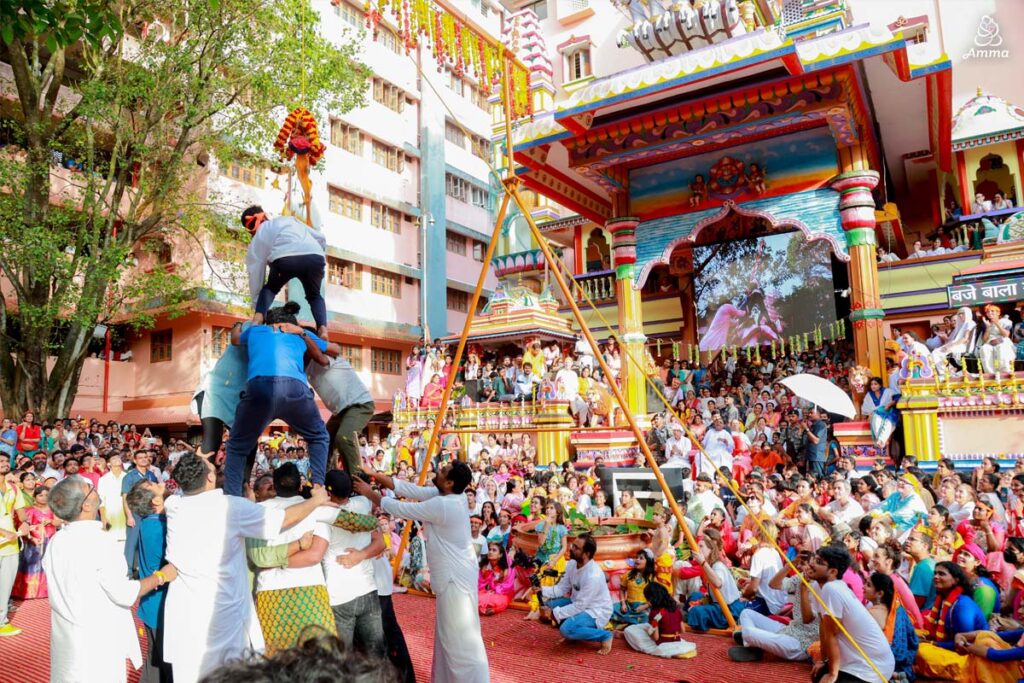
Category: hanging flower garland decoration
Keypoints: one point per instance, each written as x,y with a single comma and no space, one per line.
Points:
299,134
453,44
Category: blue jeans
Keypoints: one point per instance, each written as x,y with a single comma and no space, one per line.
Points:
579,626
309,270
816,467
264,400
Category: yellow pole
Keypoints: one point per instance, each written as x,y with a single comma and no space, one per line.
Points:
510,186
446,394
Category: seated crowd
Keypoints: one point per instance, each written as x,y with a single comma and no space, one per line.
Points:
925,571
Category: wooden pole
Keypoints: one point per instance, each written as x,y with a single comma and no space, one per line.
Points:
567,293
446,394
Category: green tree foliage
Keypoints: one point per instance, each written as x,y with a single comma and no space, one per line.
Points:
116,106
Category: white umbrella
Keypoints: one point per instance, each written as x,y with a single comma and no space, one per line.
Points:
823,393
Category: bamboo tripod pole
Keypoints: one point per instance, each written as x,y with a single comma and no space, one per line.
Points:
613,385
446,394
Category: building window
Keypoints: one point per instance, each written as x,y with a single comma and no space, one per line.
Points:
347,204
455,243
344,273
458,301
456,84
481,148
389,157
353,354
540,8
577,63
479,249
383,282
389,39
250,175
349,138
220,340
350,14
391,96
478,196
160,346
454,134
456,187
387,361
385,218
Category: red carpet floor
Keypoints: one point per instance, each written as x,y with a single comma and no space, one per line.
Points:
519,652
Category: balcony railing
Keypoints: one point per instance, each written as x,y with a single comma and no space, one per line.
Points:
599,287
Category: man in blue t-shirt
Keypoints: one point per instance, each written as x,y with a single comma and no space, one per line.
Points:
276,389
8,439
817,442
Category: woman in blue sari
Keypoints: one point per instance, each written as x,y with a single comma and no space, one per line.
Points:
880,591
879,406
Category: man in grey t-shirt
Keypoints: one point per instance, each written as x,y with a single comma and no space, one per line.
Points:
349,401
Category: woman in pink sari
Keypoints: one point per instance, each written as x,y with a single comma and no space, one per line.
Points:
497,581
432,392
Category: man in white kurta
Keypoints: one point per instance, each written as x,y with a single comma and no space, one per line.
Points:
91,627
580,602
459,655
209,618
718,446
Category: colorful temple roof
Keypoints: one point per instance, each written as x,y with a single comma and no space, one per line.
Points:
518,314
986,119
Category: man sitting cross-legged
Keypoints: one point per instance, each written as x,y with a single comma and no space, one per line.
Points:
580,603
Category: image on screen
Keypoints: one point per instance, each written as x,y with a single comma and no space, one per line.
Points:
755,291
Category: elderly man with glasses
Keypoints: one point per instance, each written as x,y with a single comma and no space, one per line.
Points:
91,627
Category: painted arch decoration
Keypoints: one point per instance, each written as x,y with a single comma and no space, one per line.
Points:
815,213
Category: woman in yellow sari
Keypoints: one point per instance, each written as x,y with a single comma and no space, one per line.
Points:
992,657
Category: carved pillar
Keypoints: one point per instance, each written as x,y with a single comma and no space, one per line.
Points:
857,213
631,321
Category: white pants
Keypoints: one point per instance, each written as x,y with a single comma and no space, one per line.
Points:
999,357
941,358
639,638
459,655
763,632
8,574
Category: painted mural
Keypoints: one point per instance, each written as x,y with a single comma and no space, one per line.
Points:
766,168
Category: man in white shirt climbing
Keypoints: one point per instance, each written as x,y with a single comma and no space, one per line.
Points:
292,250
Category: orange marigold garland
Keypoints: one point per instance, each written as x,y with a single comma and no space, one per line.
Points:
299,134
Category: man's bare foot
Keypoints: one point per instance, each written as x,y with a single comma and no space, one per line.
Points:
606,646
322,331
532,616
257,318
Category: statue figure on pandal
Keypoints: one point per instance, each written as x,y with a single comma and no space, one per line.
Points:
997,351
698,190
959,343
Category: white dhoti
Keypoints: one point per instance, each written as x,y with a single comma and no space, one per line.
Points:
762,632
459,655
639,638
998,357
941,355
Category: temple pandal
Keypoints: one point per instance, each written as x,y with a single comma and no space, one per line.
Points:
770,129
